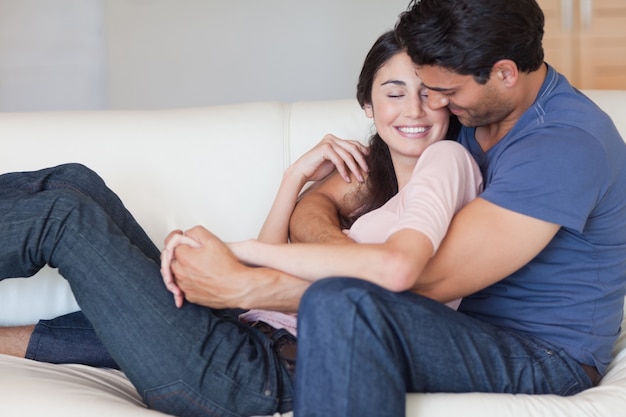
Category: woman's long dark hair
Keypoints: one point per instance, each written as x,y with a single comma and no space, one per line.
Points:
381,183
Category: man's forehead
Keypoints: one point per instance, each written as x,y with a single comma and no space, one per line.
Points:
440,79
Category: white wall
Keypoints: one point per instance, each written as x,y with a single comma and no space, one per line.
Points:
69,54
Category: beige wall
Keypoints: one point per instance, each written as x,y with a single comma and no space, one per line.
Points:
51,55
71,54
193,52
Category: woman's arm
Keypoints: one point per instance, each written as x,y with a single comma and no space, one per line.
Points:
445,179
394,264
332,153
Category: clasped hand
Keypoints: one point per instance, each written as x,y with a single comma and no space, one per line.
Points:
199,267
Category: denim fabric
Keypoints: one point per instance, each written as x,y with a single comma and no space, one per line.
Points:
188,361
362,348
68,339
86,183
71,338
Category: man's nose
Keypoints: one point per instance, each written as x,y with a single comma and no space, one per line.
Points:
437,100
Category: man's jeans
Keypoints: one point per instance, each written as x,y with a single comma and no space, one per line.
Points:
362,348
187,361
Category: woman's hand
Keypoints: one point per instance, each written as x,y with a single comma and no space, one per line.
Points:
347,156
174,239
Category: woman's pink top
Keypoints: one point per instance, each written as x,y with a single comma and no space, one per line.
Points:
445,178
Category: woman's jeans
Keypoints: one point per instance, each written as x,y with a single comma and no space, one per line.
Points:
362,348
188,361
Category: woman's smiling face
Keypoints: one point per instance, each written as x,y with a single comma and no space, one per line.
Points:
399,106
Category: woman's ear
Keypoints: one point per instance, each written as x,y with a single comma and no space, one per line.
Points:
369,112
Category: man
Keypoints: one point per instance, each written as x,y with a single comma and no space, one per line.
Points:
540,256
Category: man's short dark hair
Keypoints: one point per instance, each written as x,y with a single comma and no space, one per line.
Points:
470,36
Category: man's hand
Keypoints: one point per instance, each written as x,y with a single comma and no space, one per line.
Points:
208,273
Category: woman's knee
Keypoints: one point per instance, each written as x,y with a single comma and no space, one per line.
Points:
68,206
75,176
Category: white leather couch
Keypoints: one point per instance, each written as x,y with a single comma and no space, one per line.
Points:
216,166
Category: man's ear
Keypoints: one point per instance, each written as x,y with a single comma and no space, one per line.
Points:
506,71
369,112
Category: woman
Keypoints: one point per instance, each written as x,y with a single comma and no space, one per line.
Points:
403,233
194,360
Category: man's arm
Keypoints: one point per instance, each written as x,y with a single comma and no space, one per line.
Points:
484,244
315,218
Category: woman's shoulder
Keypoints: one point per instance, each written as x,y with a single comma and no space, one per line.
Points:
447,146
449,158
447,150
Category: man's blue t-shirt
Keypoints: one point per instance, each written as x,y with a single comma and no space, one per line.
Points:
563,162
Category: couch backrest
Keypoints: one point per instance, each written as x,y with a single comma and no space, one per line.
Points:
216,166
614,103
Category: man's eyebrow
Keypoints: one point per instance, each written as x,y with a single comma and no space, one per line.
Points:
438,89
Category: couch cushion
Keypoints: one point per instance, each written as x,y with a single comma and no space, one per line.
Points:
32,388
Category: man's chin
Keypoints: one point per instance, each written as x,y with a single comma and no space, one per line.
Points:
466,122
462,116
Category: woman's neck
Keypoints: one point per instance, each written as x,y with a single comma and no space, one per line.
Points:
403,167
